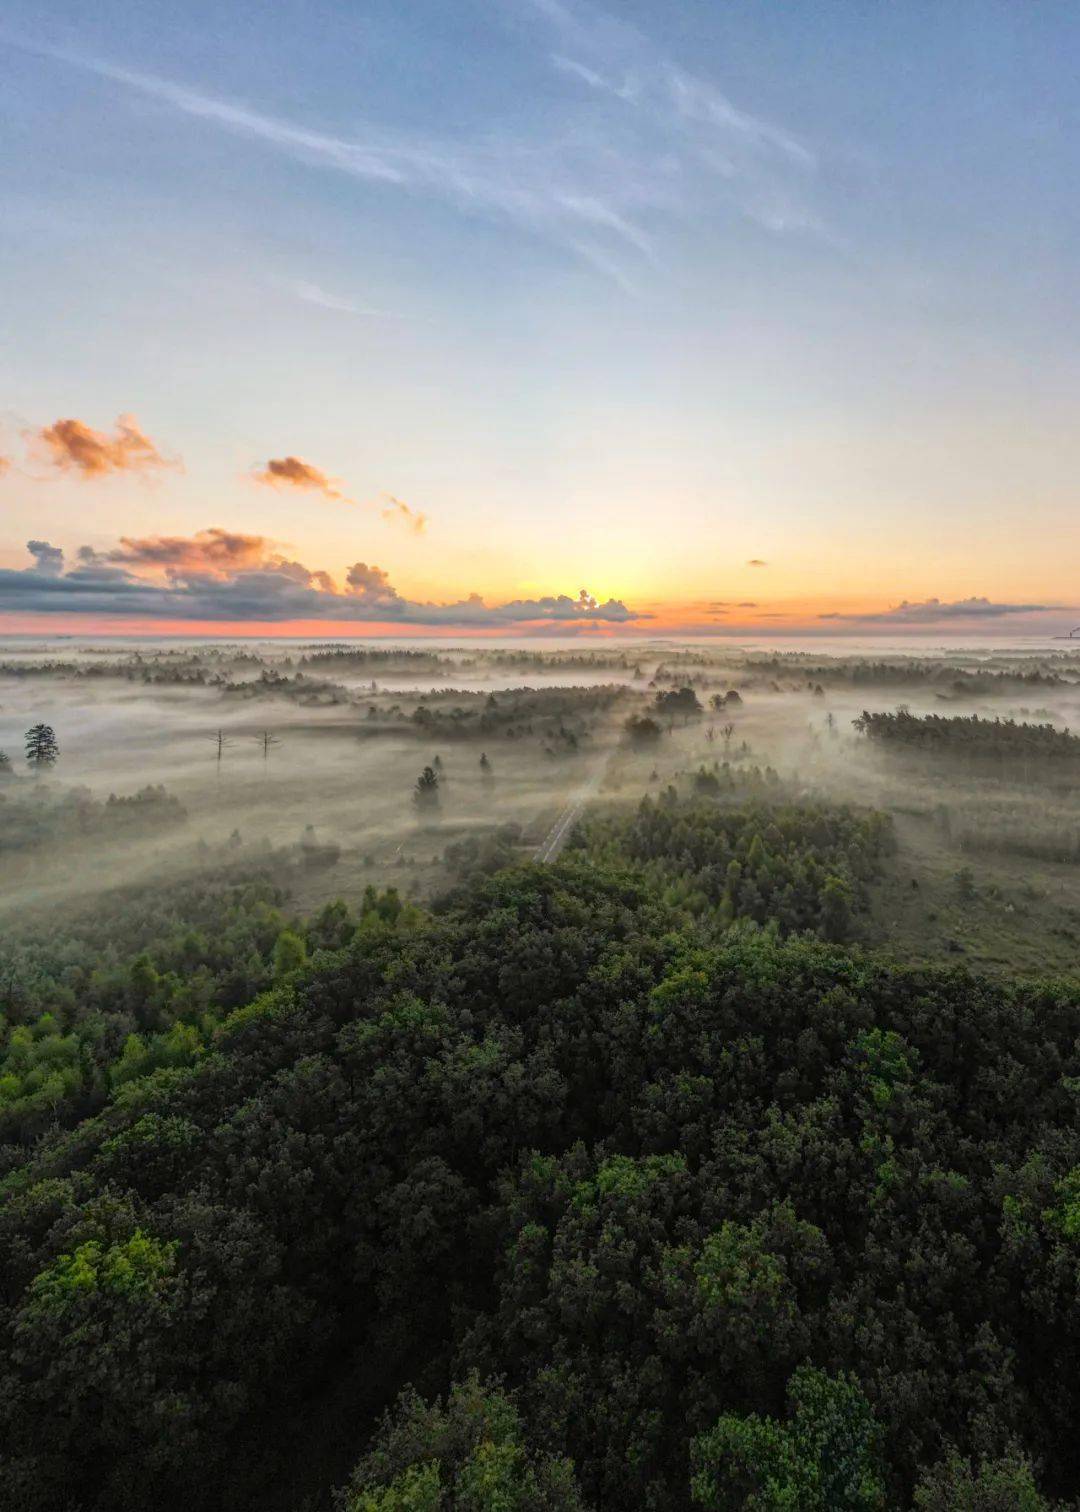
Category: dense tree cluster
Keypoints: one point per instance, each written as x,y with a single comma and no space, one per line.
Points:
648,1220
641,730
677,703
968,736
298,687
805,866
561,715
139,980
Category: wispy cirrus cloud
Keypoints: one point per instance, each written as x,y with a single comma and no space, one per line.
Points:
587,75
315,294
758,167
71,445
653,142
397,512
219,576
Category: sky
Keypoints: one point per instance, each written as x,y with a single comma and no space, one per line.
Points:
526,316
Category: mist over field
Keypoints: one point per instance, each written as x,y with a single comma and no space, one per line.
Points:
303,758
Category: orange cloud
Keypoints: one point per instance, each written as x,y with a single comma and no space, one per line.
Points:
370,584
74,446
223,576
213,551
5,464
294,472
398,512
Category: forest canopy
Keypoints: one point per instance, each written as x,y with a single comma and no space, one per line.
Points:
647,1219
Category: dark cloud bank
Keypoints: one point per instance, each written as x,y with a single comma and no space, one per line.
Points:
934,611
223,576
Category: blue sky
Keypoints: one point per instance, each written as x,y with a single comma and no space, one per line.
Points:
622,297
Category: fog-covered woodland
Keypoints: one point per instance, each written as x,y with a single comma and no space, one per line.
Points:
479,1077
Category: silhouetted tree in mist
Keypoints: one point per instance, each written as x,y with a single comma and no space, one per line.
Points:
42,748
426,791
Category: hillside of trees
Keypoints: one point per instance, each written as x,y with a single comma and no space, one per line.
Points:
605,1211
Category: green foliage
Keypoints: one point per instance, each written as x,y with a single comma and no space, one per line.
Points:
290,953
138,981
806,867
138,1264
837,898
653,1179
1065,1214
468,1454
1003,1485
821,1459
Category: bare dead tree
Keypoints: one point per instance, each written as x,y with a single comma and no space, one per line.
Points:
267,740
222,742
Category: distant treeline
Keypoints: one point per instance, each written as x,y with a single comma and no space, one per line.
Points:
907,674
969,736
379,659
151,671
579,661
407,660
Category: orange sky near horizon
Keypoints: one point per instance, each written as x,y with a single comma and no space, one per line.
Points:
795,618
